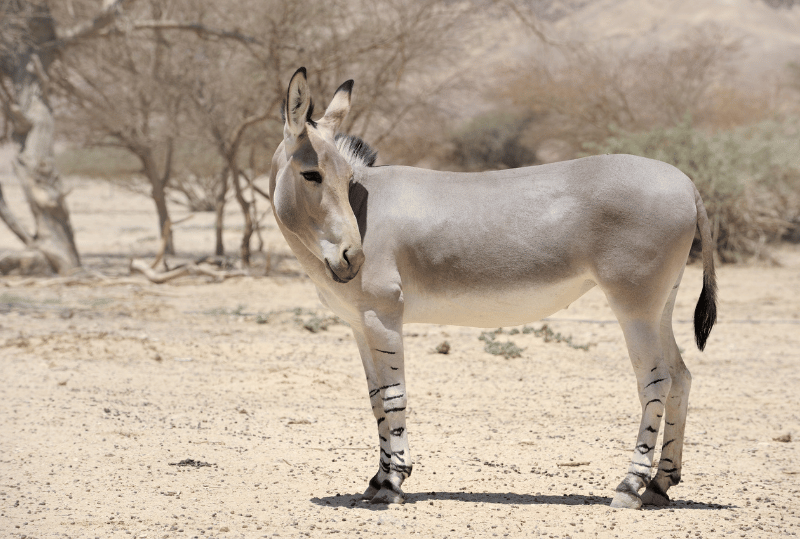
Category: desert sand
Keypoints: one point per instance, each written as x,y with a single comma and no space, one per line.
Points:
109,382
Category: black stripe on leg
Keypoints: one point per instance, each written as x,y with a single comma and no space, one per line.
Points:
382,438
669,471
643,476
654,382
390,385
384,466
644,448
651,402
402,468
394,410
397,432
388,455
400,396
385,351
381,420
667,443
650,429
374,392
668,423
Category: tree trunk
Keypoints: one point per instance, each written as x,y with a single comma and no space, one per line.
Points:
158,193
244,248
11,220
219,248
35,169
33,131
160,198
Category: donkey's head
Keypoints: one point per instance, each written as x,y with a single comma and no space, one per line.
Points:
313,182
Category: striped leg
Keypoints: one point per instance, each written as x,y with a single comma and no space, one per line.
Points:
653,381
377,409
383,340
669,465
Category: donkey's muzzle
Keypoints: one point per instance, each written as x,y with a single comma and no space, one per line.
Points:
350,261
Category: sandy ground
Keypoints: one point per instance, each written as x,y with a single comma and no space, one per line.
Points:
108,383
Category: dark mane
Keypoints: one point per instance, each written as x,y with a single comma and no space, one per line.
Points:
355,150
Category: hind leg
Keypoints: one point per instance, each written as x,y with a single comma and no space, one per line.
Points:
669,465
653,381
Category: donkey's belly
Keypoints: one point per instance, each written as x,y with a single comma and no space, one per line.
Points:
485,307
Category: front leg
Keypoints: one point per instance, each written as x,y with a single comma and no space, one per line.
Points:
376,402
383,343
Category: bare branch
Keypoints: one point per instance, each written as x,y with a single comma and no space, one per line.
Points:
199,29
527,19
90,28
257,189
247,122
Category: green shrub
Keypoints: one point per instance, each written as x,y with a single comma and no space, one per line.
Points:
748,178
506,349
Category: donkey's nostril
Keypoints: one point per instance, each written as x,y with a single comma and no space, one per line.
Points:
344,255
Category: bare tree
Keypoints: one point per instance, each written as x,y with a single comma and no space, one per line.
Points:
121,92
31,42
237,84
176,74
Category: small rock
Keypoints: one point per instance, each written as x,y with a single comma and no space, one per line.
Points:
783,438
224,529
443,348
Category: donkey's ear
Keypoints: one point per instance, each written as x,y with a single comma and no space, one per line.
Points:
297,104
339,107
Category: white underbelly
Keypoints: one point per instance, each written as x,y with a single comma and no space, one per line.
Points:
486,308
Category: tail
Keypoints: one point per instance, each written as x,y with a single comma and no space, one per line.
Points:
705,313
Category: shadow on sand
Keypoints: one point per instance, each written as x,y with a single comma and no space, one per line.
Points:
508,498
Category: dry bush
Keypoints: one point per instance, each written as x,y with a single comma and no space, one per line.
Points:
492,140
581,93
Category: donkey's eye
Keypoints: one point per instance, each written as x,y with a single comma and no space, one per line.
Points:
312,176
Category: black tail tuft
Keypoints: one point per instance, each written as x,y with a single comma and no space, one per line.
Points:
705,314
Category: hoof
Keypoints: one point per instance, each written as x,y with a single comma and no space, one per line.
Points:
369,493
389,494
373,488
626,500
652,496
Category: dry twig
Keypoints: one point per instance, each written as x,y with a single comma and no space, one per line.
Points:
141,266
